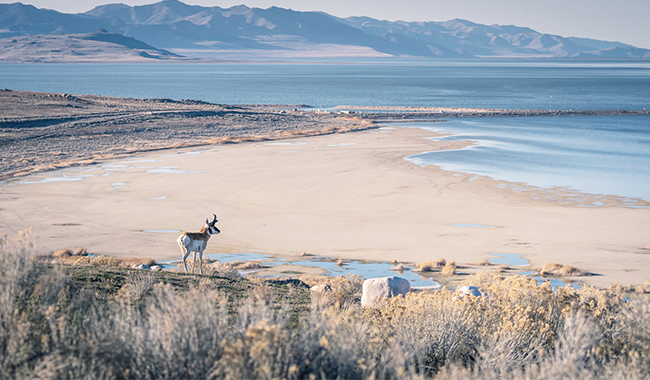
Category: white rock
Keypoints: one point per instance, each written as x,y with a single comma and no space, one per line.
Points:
141,266
473,291
376,288
156,268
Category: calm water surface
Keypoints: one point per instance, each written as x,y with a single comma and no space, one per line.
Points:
593,154
517,84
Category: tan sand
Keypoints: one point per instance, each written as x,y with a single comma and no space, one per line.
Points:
327,197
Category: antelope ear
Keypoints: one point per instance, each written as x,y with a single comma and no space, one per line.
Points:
207,222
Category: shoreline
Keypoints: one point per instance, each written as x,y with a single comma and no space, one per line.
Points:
49,131
348,196
354,188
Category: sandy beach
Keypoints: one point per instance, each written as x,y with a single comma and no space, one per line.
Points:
349,195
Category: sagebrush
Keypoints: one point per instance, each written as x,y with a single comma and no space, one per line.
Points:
54,325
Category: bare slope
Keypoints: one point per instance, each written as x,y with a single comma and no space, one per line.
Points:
97,46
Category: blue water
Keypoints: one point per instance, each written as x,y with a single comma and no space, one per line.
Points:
364,269
596,154
513,259
517,84
604,155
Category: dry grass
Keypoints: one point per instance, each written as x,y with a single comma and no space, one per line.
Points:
483,263
80,252
64,252
430,266
345,292
555,269
311,279
136,287
449,269
501,269
52,329
219,269
107,261
243,265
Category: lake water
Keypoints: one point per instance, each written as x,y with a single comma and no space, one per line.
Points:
592,154
607,155
496,83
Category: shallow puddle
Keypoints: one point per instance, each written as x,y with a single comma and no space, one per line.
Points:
52,179
331,268
512,259
359,268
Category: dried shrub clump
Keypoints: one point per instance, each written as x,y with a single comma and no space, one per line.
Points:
243,265
430,266
80,252
449,269
483,263
342,292
555,269
64,252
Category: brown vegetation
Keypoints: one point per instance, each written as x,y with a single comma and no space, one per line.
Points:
243,265
555,269
104,261
56,323
483,263
430,266
449,269
501,268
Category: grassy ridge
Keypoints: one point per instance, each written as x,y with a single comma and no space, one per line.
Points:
92,322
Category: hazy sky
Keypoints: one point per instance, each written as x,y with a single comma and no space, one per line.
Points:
614,20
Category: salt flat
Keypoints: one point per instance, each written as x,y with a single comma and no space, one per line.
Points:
348,195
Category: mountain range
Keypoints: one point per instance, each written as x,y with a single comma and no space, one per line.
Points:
243,32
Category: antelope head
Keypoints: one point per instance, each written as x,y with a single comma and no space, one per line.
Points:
210,225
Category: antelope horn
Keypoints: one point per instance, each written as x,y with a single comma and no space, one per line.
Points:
215,218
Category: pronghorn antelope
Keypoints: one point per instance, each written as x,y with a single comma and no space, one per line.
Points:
196,242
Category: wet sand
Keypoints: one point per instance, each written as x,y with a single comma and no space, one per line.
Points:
346,195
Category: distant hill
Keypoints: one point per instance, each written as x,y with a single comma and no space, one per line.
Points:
276,32
495,40
97,46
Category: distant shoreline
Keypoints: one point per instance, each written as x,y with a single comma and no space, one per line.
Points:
45,130
394,114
